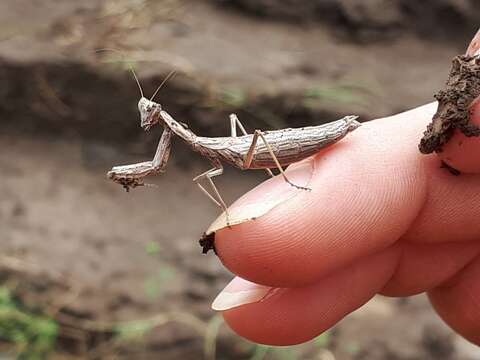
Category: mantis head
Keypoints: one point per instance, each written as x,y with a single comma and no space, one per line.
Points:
150,110
149,113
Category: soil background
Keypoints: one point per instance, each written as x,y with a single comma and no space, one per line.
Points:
78,248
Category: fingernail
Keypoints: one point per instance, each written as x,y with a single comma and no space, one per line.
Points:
240,292
266,196
474,47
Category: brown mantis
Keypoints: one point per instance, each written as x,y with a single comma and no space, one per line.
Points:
260,150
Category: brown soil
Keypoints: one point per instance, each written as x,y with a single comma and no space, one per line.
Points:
80,248
463,87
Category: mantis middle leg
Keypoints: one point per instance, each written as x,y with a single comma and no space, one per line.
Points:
209,174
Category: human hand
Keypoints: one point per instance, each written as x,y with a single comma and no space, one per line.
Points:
381,219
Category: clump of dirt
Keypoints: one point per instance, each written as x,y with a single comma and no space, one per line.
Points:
207,243
372,19
463,86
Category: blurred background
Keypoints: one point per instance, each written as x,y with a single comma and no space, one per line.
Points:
88,271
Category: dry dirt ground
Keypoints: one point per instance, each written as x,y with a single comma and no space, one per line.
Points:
92,255
373,20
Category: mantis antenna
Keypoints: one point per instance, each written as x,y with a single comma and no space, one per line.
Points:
168,77
136,79
130,67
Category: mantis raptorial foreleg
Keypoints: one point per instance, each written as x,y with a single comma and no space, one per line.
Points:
217,199
132,175
251,152
234,121
162,154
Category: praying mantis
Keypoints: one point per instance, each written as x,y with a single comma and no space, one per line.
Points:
260,150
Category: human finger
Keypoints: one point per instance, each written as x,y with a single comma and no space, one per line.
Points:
366,192
295,315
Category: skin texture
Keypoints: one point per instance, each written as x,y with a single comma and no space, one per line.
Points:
381,219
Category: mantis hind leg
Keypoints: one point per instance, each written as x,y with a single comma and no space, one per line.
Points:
251,152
